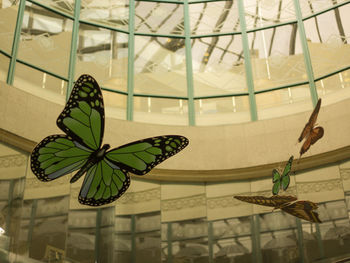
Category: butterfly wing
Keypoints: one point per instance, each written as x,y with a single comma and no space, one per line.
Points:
276,180
56,156
82,119
273,201
315,135
104,182
311,123
141,156
285,178
303,210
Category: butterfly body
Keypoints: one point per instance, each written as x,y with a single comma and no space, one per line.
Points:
106,171
288,204
311,132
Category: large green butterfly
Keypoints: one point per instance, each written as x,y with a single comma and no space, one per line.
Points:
80,149
281,181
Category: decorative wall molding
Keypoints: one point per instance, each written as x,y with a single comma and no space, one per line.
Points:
16,160
140,197
320,186
345,174
36,183
183,203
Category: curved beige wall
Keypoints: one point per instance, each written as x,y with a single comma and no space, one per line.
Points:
215,153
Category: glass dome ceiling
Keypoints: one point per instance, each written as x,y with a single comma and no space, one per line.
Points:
181,62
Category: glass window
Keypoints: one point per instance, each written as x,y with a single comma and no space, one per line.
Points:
160,66
8,19
4,66
218,65
311,7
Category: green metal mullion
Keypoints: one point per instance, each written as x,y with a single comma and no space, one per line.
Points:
98,234
32,222
170,240
319,241
133,238
73,48
247,62
222,96
210,241
160,1
131,54
283,87
9,205
216,35
300,240
41,70
333,73
307,58
159,96
5,53
158,35
189,71
90,23
51,9
15,43
325,10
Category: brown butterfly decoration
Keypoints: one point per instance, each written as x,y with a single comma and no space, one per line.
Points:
301,209
310,132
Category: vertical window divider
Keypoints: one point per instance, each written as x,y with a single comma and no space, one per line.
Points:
15,43
189,70
73,48
247,62
131,53
306,53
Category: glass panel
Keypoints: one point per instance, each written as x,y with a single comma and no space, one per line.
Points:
103,54
39,83
45,39
161,111
4,66
328,36
81,236
218,111
8,19
105,231
122,239
66,6
218,66
110,13
160,66
214,17
115,104
310,7
276,57
335,88
159,18
261,13
283,102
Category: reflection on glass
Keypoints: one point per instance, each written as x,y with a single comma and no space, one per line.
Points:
214,17
310,7
115,104
122,239
103,54
262,13
66,6
159,18
328,36
222,110
8,16
276,57
161,111
39,83
4,65
44,38
160,66
114,14
218,65
335,87
283,102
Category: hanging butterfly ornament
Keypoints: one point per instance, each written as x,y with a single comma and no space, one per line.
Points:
288,204
107,178
281,181
311,133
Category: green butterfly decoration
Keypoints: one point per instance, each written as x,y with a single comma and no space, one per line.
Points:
80,149
281,181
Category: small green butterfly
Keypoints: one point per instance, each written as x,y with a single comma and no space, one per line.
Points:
281,181
80,149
